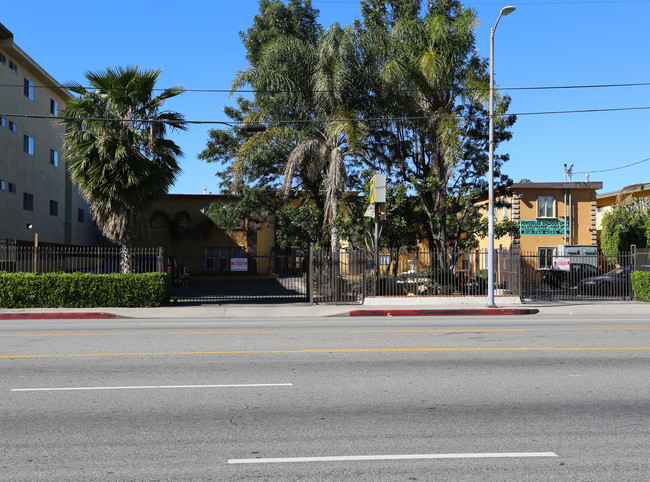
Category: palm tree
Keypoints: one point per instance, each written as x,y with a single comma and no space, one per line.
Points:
319,98
325,151
116,150
324,156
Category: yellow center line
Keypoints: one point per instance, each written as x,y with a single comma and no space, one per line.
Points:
333,350
271,332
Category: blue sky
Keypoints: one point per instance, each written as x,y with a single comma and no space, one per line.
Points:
542,44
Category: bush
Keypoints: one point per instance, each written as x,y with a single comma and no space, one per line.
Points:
641,285
82,290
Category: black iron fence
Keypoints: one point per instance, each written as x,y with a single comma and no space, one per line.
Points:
321,276
581,277
350,276
75,259
238,277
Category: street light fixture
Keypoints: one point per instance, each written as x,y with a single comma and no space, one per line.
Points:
490,281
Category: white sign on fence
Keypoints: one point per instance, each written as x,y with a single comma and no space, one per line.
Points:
562,264
238,264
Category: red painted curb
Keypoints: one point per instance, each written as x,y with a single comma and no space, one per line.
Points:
450,312
55,316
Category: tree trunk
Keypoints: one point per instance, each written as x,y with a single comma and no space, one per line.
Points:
126,258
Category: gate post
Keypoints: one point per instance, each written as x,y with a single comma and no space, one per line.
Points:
363,276
310,274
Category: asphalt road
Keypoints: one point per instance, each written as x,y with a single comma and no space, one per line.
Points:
467,398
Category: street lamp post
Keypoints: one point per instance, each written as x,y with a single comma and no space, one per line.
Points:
490,300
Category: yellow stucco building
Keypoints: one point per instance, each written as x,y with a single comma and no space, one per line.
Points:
179,224
550,214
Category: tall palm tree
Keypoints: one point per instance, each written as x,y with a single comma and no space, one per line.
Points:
319,98
326,151
117,152
324,155
431,58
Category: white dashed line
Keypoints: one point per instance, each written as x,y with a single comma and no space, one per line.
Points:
353,458
149,387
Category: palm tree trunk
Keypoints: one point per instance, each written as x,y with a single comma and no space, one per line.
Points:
126,258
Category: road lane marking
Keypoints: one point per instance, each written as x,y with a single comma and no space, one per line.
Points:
352,458
275,332
148,387
333,350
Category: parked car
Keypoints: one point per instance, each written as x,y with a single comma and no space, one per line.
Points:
557,278
614,282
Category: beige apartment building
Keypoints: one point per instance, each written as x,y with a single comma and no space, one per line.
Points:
36,194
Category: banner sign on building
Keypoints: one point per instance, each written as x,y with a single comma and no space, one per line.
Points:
238,264
543,227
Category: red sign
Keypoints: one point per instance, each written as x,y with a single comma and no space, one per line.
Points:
238,264
561,264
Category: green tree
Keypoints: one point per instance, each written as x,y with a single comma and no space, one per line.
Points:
626,224
117,152
432,91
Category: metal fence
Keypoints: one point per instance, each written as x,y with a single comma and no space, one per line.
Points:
260,277
70,259
576,278
350,276
321,276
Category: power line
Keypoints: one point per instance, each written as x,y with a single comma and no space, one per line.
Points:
287,91
613,168
310,121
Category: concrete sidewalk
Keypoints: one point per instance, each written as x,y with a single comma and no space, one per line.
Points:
372,307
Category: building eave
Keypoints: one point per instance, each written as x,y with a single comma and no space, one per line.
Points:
556,185
7,42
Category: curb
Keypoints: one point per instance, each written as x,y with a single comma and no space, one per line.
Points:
55,316
451,312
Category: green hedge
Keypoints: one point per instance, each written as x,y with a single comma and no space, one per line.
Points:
641,285
82,290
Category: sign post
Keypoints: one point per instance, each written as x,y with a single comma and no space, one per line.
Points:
377,198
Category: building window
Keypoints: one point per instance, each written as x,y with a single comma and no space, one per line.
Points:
28,144
80,215
181,220
218,257
12,188
28,89
12,126
54,157
13,67
3,122
54,208
158,222
208,259
54,107
28,201
3,185
546,206
3,59
544,258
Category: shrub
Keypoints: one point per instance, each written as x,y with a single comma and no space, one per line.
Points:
641,285
82,290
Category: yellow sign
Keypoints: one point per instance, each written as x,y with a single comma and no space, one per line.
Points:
378,188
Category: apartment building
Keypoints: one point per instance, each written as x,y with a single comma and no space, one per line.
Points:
550,214
179,224
36,193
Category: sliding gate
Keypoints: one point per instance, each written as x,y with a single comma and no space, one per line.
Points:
256,278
